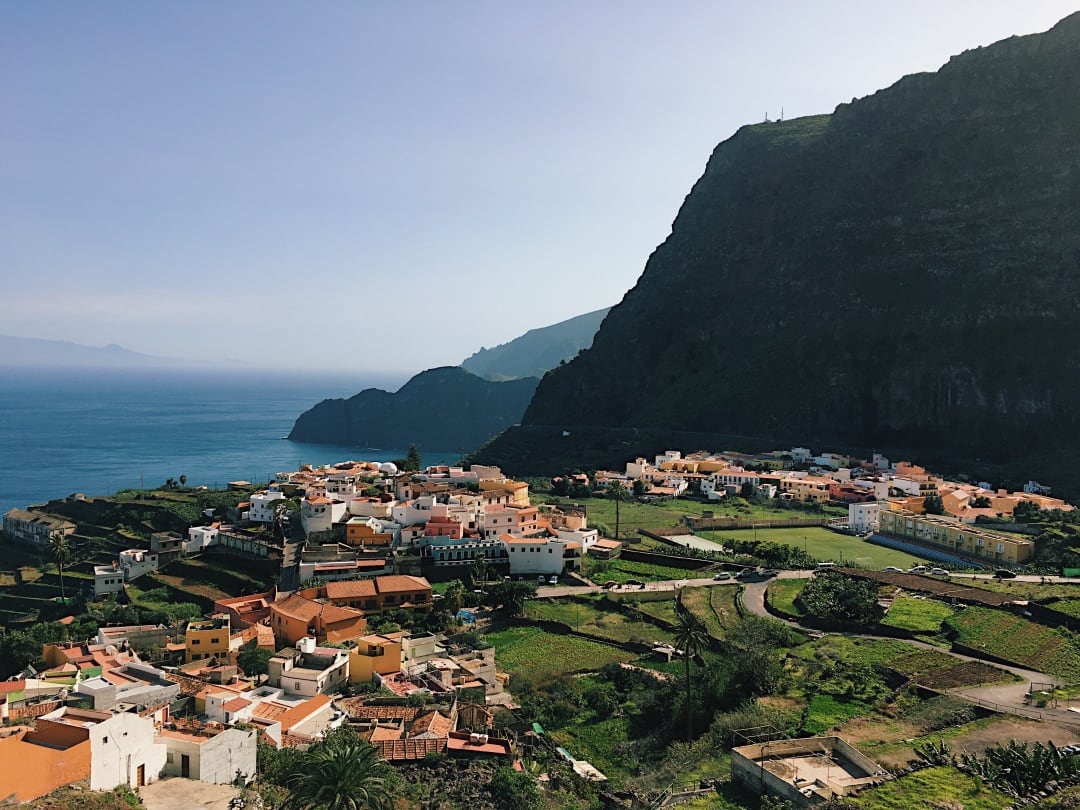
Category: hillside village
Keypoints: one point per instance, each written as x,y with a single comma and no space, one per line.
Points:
358,547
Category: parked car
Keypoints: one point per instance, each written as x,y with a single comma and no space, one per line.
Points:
826,565
721,575
541,580
610,584
939,572
918,569
637,583
894,569
553,580
1004,573
744,573
769,572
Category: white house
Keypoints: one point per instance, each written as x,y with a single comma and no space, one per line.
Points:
863,517
637,468
108,579
262,509
135,562
546,556
215,756
412,512
122,746
319,514
200,537
309,670
366,506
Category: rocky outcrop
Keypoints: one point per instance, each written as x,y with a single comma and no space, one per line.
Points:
440,409
902,273
537,351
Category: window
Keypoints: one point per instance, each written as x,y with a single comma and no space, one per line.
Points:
104,739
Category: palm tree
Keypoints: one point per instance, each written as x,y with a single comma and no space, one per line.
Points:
691,637
455,596
341,773
61,550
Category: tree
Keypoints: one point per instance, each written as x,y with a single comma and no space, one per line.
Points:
982,502
413,460
61,550
841,598
514,790
343,772
254,660
933,504
692,638
618,492
512,595
641,486
183,480
454,597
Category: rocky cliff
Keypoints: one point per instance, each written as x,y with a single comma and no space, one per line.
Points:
439,409
537,351
902,273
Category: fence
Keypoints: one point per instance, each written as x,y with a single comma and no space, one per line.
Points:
706,524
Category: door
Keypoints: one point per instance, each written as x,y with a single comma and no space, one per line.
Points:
140,776
185,765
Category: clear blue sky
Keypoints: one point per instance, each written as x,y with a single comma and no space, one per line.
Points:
390,186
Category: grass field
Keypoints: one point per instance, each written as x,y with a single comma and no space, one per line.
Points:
591,615
824,545
783,592
932,787
540,656
714,606
936,669
620,570
1017,639
918,615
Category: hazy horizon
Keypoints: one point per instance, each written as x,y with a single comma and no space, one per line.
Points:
382,188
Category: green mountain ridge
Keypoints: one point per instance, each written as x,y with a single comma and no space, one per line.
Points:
903,273
538,350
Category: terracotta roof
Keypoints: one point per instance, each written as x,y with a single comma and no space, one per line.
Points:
432,723
298,607
350,589
360,711
382,733
400,582
464,743
236,704
410,749
297,714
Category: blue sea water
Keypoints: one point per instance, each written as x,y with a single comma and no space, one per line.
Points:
97,431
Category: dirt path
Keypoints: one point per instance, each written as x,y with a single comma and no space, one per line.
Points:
1006,698
186,794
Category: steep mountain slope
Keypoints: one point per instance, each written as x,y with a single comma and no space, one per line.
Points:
440,409
902,273
537,351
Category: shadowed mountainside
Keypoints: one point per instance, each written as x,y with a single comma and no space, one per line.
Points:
902,273
537,351
439,409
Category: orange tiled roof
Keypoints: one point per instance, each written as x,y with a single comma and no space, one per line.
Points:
392,583
382,733
355,707
350,589
409,749
236,704
434,723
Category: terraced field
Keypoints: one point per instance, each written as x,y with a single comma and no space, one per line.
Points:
918,615
1016,639
595,617
541,656
715,606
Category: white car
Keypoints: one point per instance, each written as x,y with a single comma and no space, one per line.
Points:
918,569
939,572
894,569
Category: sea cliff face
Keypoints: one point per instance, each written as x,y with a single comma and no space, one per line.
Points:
440,409
904,272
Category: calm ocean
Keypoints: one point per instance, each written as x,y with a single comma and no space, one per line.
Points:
97,431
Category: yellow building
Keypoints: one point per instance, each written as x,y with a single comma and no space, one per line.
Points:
959,538
364,532
516,492
374,653
208,638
